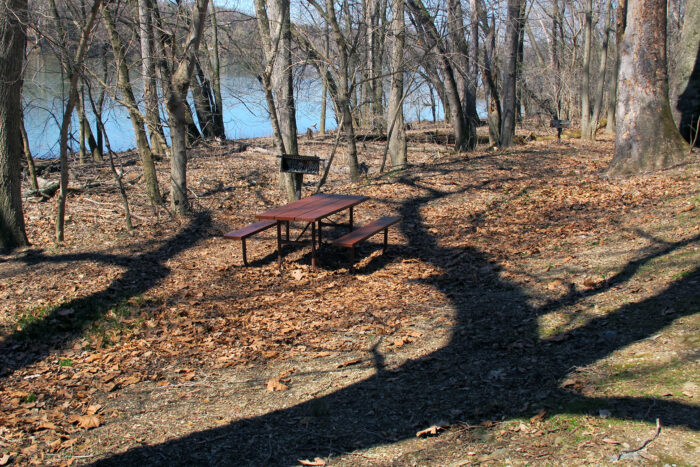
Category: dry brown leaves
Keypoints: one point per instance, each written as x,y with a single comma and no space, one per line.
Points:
208,312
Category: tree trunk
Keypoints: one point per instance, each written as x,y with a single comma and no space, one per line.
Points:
610,128
148,70
646,139
13,20
602,68
31,167
324,72
71,69
586,127
464,130
344,91
685,80
219,128
513,26
556,63
460,57
471,111
203,102
137,122
395,124
282,89
176,100
490,75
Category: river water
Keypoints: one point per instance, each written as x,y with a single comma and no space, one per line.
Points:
245,111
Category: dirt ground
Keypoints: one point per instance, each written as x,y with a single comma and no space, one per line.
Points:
528,311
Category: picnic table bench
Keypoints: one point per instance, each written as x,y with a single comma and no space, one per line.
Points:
350,240
245,232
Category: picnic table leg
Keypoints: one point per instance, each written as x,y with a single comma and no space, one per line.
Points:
286,224
320,236
351,216
245,259
386,239
313,245
279,244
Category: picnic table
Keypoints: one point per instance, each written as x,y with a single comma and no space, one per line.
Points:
312,210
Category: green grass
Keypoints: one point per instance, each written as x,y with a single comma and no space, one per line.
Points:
89,317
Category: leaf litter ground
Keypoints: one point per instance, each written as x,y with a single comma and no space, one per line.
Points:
528,311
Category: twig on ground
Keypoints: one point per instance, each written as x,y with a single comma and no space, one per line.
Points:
645,443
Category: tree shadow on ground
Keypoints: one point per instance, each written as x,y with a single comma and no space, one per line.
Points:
62,324
495,365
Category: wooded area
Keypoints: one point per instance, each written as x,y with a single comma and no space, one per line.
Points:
539,59
537,302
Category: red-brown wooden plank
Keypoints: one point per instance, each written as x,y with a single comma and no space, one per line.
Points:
366,231
337,205
249,230
281,210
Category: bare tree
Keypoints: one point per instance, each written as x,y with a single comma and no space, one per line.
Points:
71,66
129,100
176,97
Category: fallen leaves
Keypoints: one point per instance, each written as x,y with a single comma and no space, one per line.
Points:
430,431
317,461
86,421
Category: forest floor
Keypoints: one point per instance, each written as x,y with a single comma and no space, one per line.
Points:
528,311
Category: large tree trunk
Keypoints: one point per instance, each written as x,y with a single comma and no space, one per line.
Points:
395,124
148,70
13,17
137,120
510,72
646,139
685,80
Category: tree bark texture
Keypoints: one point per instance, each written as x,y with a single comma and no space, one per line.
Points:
647,138
395,124
513,26
282,88
13,16
220,129
586,127
148,70
460,57
685,80
176,100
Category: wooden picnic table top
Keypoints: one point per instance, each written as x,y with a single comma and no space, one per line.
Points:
312,208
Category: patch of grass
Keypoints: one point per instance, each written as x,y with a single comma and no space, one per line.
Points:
35,315
65,362
87,316
29,398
